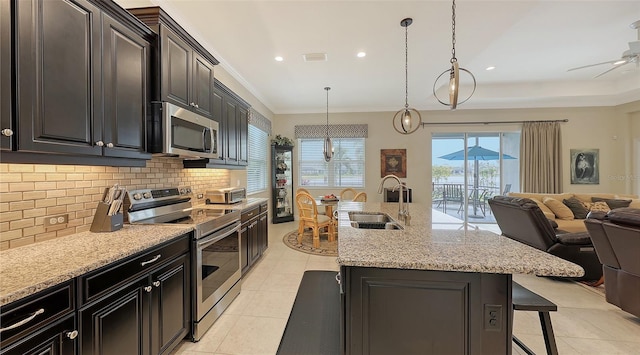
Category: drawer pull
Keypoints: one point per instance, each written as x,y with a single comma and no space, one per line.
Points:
156,283
72,334
155,258
148,288
24,321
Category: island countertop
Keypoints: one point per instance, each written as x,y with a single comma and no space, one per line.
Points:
424,245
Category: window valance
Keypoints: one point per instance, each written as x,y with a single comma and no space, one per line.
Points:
335,131
258,120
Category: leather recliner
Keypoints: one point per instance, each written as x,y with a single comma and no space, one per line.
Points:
616,237
521,219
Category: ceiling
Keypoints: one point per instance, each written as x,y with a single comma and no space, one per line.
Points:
531,44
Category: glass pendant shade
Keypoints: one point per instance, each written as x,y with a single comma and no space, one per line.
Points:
327,151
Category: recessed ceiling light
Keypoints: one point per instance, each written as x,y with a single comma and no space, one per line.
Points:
279,59
361,54
490,68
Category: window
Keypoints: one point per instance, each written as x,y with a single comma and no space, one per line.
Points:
258,158
346,168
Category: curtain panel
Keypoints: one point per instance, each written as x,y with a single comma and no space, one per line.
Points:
540,157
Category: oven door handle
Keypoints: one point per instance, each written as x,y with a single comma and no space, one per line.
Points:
216,236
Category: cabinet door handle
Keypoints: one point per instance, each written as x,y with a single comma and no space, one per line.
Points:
24,321
72,334
148,288
155,258
109,145
156,283
193,104
7,132
100,143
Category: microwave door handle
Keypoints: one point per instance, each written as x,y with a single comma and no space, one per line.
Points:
204,139
206,149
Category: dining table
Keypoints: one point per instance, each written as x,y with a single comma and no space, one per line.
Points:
328,205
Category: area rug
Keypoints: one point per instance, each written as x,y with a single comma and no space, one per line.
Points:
326,248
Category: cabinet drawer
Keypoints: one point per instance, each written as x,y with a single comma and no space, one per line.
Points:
56,338
28,315
249,214
96,283
263,208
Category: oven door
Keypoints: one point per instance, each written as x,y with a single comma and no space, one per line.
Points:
217,266
189,134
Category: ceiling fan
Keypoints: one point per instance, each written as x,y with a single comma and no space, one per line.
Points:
632,55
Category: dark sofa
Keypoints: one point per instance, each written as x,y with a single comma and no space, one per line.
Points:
521,219
616,237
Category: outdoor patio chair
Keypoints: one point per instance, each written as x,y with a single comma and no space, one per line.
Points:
452,193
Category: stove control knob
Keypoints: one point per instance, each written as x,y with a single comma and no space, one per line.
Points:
137,196
188,190
183,191
146,195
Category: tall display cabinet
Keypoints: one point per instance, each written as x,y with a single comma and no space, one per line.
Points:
283,197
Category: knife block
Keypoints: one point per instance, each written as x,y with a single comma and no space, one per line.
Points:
102,222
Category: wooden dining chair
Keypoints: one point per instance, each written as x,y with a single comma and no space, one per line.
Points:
360,197
302,189
347,194
309,217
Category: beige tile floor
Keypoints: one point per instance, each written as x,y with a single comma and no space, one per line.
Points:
584,324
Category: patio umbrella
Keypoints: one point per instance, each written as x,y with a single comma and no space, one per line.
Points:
475,153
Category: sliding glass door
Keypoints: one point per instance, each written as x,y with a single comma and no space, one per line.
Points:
468,169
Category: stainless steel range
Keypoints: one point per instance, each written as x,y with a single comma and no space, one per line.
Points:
215,249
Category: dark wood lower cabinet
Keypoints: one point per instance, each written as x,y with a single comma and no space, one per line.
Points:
253,235
392,311
54,339
170,309
149,315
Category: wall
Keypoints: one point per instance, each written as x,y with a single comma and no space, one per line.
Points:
587,128
30,192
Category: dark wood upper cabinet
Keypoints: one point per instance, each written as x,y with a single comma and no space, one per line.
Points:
59,76
82,79
185,67
127,88
6,125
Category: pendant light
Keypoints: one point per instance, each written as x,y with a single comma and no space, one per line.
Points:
328,147
408,119
454,71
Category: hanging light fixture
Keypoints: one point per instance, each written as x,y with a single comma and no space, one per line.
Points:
454,71
328,147
408,119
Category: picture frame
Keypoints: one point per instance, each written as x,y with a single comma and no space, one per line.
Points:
585,166
393,161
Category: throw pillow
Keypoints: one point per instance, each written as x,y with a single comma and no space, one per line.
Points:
559,209
544,208
577,208
613,203
600,206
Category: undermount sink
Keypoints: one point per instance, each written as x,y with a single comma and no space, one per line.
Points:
373,220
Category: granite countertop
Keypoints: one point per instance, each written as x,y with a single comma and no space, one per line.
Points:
423,246
31,268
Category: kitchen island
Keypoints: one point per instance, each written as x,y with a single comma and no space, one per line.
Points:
422,289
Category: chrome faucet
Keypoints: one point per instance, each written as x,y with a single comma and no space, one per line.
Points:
403,213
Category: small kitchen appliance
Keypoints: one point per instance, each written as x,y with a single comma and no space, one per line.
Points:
228,195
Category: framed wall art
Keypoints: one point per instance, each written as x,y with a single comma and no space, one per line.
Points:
585,165
393,161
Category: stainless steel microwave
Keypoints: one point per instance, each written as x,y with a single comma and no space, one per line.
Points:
177,131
